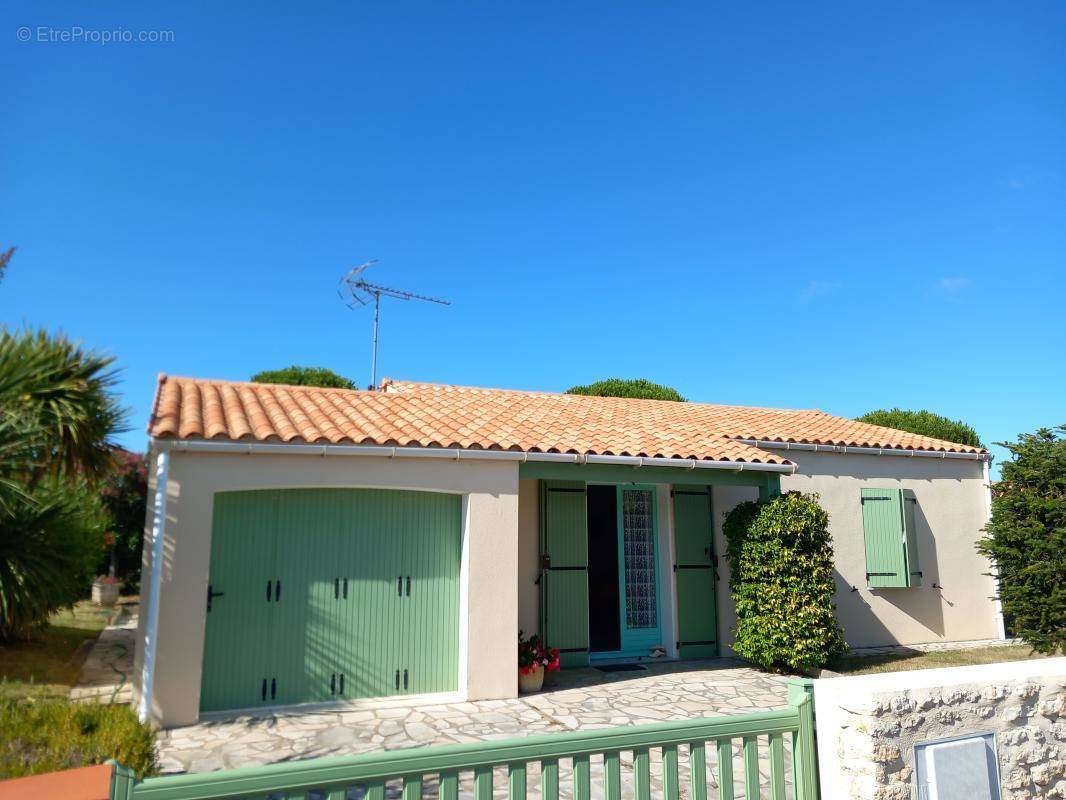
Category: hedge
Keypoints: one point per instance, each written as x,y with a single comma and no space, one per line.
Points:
51,735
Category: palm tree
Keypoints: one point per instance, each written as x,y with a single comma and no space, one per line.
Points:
57,419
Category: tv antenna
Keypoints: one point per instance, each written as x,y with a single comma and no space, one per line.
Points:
356,291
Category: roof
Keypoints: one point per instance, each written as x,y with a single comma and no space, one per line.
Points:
408,414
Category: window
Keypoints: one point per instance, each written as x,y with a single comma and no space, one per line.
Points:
891,536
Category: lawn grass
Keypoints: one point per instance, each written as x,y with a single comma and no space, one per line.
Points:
48,663
898,662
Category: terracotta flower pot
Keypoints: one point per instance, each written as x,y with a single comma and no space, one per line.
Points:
532,681
105,594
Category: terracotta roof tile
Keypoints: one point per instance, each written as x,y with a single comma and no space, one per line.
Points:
437,415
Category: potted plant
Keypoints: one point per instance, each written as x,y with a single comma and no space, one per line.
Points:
105,590
534,658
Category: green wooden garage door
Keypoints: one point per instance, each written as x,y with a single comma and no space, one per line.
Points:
330,594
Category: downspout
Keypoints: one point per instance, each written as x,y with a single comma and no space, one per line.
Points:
155,580
1000,623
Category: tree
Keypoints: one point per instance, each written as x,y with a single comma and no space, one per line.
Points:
1026,538
5,259
924,423
125,497
632,387
57,417
781,562
304,376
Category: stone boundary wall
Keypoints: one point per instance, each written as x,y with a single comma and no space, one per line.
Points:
867,726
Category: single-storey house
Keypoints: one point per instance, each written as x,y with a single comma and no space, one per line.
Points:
310,545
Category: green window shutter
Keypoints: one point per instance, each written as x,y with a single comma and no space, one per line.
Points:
882,522
914,569
564,577
694,570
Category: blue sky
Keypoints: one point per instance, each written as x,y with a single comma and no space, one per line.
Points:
778,204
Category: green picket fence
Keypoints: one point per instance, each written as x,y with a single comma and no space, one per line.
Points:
486,769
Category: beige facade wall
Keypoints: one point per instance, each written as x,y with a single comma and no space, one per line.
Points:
951,513
528,555
490,490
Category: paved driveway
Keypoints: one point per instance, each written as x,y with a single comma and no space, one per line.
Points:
580,699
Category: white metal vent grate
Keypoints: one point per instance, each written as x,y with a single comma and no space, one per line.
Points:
962,768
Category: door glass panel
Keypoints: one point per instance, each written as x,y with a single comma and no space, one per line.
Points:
638,549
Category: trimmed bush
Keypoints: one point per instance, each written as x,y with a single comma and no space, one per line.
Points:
924,423
632,387
781,562
304,376
1026,538
38,737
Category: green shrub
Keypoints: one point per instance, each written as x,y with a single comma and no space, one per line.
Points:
1026,538
49,549
634,387
924,423
781,562
46,736
304,376
125,495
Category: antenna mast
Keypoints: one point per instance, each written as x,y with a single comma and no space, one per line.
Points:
356,291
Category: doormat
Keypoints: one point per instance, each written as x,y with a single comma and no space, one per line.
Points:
622,668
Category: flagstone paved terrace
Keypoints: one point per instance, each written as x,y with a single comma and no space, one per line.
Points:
582,699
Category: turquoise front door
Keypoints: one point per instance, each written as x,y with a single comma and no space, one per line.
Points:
638,570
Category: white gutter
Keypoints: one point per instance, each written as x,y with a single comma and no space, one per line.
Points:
454,454
1000,624
159,522
866,451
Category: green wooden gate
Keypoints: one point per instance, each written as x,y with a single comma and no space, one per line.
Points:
330,594
744,755
564,605
694,569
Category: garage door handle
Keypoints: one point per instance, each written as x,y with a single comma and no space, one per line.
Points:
342,683
408,585
397,680
399,590
336,588
405,680
264,689
345,597
273,688
333,683
211,595
270,585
